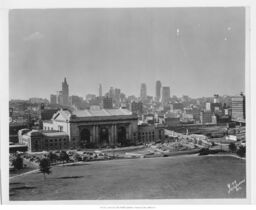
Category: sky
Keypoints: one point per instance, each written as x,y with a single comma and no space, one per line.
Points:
196,51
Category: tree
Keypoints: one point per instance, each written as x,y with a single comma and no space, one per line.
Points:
232,147
64,156
241,151
17,162
52,157
45,166
204,151
77,157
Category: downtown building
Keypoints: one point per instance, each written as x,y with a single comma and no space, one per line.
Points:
95,127
207,117
143,92
136,107
62,96
238,108
43,140
158,90
166,95
107,103
53,99
89,129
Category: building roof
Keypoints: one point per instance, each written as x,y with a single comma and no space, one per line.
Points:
48,121
94,115
14,124
101,112
34,133
54,133
49,133
18,146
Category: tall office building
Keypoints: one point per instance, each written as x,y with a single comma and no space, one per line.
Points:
117,95
143,91
59,97
216,99
100,91
166,95
238,108
107,103
112,92
65,92
53,99
158,90
136,107
208,106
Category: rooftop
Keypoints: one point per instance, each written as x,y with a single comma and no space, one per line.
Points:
54,133
48,121
101,112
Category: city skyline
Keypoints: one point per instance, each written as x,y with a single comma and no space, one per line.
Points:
205,49
106,92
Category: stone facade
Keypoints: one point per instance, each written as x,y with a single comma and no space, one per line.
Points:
150,133
38,141
95,127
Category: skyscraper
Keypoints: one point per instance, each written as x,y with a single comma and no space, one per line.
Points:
143,91
112,92
238,107
59,97
216,99
166,95
117,95
100,91
158,90
65,92
53,99
107,103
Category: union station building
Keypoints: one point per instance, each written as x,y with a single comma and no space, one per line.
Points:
95,127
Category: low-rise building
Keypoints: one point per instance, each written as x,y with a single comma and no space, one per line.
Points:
14,127
136,107
187,118
95,128
107,103
172,119
238,108
150,133
206,117
40,140
176,106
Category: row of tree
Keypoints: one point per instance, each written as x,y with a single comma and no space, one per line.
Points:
45,162
63,156
241,151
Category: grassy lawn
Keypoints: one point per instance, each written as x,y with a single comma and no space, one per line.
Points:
153,178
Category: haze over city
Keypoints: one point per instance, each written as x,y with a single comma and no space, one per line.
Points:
197,52
124,103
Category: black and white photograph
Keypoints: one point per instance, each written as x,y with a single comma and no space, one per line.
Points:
144,103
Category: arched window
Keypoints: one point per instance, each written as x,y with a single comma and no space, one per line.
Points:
84,137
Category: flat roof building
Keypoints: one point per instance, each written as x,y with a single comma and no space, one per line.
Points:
43,140
87,128
238,108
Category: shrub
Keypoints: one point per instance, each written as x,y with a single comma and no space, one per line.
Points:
17,162
77,157
64,156
52,157
204,151
45,167
91,145
241,151
232,147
